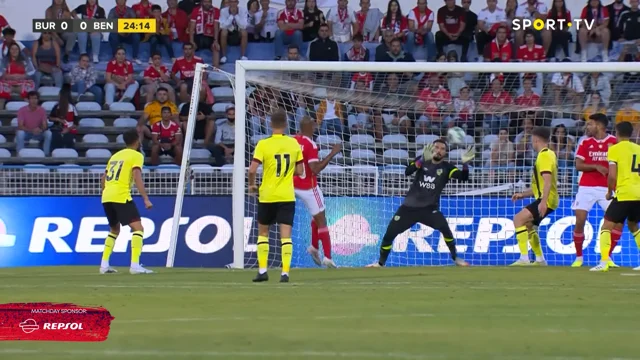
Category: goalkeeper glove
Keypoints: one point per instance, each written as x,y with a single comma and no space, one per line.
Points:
427,153
468,155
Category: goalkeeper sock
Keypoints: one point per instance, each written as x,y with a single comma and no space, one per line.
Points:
323,234
451,244
263,253
136,248
615,237
287,254
314,234
385,249
523,239
636,235
534,240
605,245
109,242
578,241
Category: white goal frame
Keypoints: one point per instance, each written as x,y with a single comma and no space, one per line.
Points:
241,68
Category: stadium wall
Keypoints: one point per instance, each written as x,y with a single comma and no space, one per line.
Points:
43,231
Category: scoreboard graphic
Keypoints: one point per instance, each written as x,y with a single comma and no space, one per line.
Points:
124,26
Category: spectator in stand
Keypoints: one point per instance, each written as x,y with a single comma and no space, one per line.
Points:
455,81
598,82
205,124
599,33
559,37
524,147
33,125
364,78
313,18
233,29
166,139
385,46
162,35
46,59
500,49
189,5
8,36
64,117
360,120
567,89
630,80
451,20
357,52
510,10
470,21
83,79
143,9
528,98
323,48
396,54
420,24
495,104
15,74
266,20
342,22
153,113
222,148
464,108
60,11
628,25
436,106
119,81
122,11
183,71
502,153
593,105
533,10
531,52
628,113
490,20
88,11
615,10
178,21
293,54
368,21
563,145
157,76
394,20
252,8
290,25
390,116
204,28
4,24
330,116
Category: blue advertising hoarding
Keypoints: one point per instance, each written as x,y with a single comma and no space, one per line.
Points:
40,231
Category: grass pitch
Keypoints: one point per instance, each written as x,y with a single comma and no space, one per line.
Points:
391,313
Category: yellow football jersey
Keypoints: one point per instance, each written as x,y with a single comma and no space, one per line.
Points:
546,162
626,156
278,155
119,175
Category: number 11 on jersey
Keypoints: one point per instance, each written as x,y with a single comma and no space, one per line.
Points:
279,161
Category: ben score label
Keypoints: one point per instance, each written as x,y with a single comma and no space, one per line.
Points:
75,25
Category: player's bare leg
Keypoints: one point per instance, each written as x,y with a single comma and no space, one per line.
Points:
578,236
323,235
263,253
286,247
109,242
136,248
522,222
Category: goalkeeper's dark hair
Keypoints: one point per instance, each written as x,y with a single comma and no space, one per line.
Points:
600,118
443,142
624,129
279,119
542,133
130,137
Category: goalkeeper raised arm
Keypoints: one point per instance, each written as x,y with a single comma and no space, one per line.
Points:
422,202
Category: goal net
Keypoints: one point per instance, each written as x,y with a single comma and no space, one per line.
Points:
383,114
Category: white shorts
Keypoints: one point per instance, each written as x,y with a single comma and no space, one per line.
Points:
588,196
312,199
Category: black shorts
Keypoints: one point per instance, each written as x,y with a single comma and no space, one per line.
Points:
405,217
200,130
233,38
620,211
121,213
533,209
203,42
276,213
171,151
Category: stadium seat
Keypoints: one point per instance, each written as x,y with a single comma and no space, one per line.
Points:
568,123
228,169
469,140
223,94
486,154
64,153
328,140
5,154
31,153
325,152
96,169
88,106
202,169
487,140
122,106
48,105
581,139
333,170
15,105
98,153
14,122
168,169
95,139
200,154
456,155
49,91
220,107
395,156
394,140
216,76
120,139
125,122
69,169
426,139
363,155
256,138
394,169
35,169
2,139
362,140
364,169
91,122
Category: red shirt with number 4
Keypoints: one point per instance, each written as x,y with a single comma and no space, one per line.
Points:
594,152
308,180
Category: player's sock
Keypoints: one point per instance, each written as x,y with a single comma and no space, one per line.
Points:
636,235
615,237
323,234
314,234
385,250
287,254
136,248
534,240
263,253
605,245
451,244
109,242
523,241
578,241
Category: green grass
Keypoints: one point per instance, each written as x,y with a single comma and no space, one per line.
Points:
405,313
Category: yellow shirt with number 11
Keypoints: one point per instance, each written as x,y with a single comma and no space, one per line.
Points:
278,155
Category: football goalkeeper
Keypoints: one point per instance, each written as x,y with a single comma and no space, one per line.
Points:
422,202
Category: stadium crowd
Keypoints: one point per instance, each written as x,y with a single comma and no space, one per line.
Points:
61,96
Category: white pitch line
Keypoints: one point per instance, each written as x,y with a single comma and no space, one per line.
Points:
630,274
269,318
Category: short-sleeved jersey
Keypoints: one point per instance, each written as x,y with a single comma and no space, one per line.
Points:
546,163
534,54
154,110
166,134
119,175
532,99
592,13
308,180
524,12
152,73
434,100
496,50
142,11
594,152
291,17
451,19
186,68
279,155
125,69
626,156
428,184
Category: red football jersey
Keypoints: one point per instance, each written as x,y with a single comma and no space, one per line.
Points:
528,100
534,54
566,16
367,78
604,14
308,180
186,68
153,73
125,69
434,99
498,51
594,152
290,17
490,98
166,134
142,11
